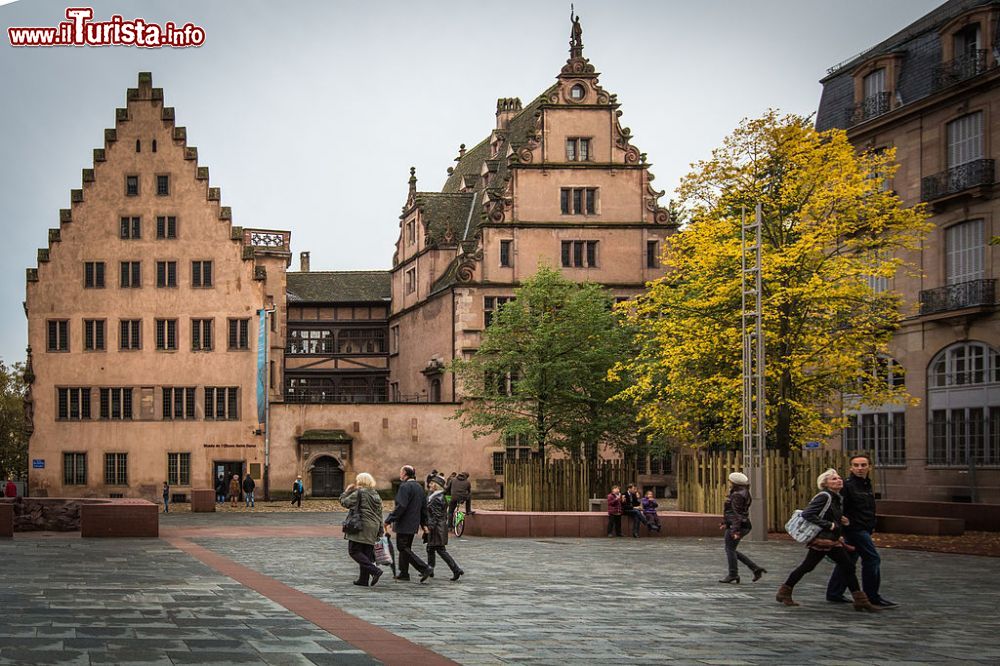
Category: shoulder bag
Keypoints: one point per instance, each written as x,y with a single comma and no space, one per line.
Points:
801,529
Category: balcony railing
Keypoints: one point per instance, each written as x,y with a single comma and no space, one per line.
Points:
965,176
957,296
961,68
328,397
867,109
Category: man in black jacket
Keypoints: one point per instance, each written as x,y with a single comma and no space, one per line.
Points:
859,508
409,515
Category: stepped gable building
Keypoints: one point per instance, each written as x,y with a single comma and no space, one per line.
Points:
142,320
557,182
932,92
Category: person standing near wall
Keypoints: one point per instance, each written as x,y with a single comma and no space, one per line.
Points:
166,497
248,488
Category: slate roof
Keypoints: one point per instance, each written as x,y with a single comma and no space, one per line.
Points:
339,286
446,214
921,51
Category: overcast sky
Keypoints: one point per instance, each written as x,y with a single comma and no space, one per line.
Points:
310,113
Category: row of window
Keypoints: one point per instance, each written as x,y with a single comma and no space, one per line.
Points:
161,181
166,333
329,341
130,274
116,469
75,403
131,227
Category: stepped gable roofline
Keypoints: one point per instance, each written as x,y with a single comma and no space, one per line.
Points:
339,287
927,23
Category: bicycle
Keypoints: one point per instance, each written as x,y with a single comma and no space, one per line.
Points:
458,525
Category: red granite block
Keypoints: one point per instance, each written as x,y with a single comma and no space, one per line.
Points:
566,525
6,519
543,525
203,501
518,525
595,525
486,523
120,518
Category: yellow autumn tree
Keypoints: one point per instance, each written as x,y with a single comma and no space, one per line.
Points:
831,230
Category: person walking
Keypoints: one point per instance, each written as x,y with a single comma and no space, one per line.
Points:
234,490
409,515
438,526
461,491
166,498
220,490
361,545
297,491
248,488
826,511
615,511
737,523
859,507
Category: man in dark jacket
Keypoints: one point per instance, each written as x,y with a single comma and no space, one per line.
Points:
461,491
409,515
859,508
248,488
220,490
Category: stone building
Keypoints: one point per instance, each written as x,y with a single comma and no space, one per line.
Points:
932,92
145,312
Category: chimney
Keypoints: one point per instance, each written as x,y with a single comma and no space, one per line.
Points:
304,262
507,108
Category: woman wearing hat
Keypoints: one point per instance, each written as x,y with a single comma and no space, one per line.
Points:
437,527
737,523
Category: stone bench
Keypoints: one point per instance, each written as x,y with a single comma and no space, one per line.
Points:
979,517
92,517
930,525
584,524
203,501
6,520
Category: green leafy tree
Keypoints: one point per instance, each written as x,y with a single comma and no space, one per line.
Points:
13,433
830,229
541,370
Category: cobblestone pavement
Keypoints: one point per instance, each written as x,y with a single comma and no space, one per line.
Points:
538,601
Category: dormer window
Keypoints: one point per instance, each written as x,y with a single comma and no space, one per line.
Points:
577,92
966,42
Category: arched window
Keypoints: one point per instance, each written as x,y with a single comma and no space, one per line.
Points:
963,401
879,430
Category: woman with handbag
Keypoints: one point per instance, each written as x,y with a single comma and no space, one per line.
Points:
362,527
826,511
737,523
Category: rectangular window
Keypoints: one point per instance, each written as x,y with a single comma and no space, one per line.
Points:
874,83
222,403
965,245
166,227
162,185
394,340
131,228
131,274
579,254
957,434
505,258
166,334
201,274
577,149
129,334
411,280
73,404
965,139
239,334
116,469
492,304
178,403
201,335
411,232
116,404
578,200
93,334
58,335
179,469
93,274
652,254
310,341
74,469
361,341
166,274
131,186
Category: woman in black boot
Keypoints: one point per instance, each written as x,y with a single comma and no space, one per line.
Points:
737,524
437,527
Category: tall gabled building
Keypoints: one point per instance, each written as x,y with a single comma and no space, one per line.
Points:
932,92
558,182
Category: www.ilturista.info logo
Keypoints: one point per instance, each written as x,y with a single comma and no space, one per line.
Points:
79,30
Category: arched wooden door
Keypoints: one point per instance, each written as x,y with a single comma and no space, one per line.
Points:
327,478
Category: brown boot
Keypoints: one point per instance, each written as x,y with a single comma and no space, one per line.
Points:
861,603
784,596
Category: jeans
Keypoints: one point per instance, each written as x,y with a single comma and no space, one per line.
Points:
249,498
432,551
615,522
220,498
404,544
732,555
364,555
637,519
166,504
814,557
871,576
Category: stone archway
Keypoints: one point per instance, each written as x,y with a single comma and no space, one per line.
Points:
327,477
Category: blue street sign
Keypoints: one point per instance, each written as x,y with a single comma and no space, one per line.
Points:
38,463
813,445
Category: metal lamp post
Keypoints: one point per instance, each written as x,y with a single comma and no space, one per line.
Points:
754,405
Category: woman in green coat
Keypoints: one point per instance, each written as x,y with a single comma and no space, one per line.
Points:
361,546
